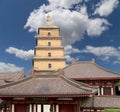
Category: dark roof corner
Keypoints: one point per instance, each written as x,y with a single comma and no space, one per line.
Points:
22,74
31,72
60,72
74,61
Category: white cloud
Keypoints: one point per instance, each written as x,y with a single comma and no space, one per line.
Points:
106,7
105,50
119,48
116,62
105,53
21,53
68,58
8,67
68,50
63,3
97,26
73,23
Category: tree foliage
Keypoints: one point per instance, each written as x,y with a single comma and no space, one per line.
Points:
112,110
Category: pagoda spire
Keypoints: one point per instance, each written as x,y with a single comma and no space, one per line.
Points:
49,22
48,18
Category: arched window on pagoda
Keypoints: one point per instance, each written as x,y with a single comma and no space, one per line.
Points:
49,54
49,65
49,34
49,43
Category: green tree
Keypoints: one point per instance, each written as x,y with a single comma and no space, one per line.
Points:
111,110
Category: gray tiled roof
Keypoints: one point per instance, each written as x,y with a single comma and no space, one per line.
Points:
101,102
10,77
46,85
107,101
88,70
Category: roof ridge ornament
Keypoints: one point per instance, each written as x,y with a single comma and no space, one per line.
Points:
73,61
48,18
60,72
48,21
93,60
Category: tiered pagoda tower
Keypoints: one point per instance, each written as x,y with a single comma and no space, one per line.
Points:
49,53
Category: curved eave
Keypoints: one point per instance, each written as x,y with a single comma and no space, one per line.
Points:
48,38
80,85
49,27
47,58
49,47
98,78
106,69
47,96
47,70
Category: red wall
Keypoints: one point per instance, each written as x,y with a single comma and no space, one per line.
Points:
66,108
20,108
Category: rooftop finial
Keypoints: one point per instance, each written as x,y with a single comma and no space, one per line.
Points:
48,18
93,60
73,61
48,22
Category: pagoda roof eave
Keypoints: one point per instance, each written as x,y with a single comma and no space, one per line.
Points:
51,27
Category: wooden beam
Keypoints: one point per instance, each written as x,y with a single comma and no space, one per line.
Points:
79,106
54,107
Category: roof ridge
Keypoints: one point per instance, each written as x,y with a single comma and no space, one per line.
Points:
84,84
95,65
75,84
105,69
22,71
84,62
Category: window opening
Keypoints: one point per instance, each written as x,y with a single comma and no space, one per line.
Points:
107,90
49,54
49,43
49,34
49,65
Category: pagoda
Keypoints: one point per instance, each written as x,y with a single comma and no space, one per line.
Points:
49,53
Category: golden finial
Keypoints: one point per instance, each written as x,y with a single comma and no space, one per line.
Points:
48,21
48,18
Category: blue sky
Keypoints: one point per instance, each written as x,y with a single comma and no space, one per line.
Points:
89,29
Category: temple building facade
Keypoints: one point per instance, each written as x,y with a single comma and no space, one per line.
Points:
54,87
